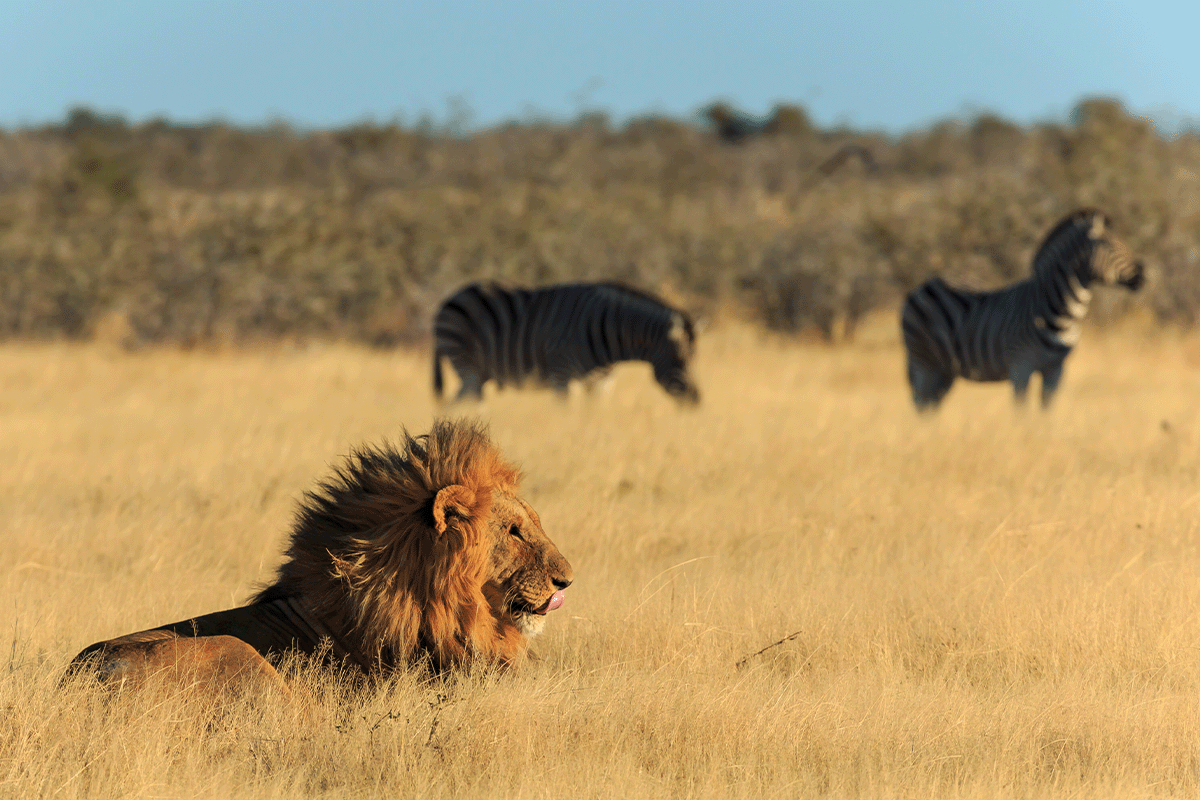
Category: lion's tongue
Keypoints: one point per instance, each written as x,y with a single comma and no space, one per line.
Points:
554,602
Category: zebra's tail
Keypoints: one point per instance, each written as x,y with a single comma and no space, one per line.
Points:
437,372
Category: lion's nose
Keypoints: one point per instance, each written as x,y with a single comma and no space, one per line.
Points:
561,583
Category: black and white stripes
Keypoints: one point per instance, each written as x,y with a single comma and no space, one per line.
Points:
1013,332
554,334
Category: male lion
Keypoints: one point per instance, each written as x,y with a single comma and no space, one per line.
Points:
425,552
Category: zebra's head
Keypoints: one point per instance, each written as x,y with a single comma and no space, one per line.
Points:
1113,262
1085,239
671,365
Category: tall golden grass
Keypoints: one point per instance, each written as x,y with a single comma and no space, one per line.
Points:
801,589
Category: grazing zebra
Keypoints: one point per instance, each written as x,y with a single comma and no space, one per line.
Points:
1011,333
553,334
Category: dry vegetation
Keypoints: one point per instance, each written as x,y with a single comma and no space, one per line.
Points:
978,604
161,232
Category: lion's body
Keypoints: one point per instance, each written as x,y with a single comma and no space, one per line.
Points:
212,665
225,646
424,552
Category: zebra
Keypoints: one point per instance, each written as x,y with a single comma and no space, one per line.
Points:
553,334
1028,327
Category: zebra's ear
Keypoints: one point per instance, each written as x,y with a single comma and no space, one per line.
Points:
1097,226
450,502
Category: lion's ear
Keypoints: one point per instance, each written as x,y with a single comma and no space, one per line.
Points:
453,501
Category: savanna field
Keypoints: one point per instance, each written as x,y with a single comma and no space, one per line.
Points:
799,589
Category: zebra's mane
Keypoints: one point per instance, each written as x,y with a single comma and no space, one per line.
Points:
1073,231
689,326
625,288
616,286
640,294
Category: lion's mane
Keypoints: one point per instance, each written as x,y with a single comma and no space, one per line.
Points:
367,557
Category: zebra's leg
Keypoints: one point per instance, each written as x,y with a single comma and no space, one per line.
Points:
928,386
472,386
1020,382
1050,380
560,383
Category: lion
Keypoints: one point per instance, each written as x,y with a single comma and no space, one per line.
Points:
424,553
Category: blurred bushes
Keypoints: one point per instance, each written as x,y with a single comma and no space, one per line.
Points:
199,234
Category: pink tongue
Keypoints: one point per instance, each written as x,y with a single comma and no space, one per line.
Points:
555,601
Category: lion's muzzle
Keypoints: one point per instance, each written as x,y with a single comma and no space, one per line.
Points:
554,602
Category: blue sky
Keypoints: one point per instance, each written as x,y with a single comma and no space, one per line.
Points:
871,64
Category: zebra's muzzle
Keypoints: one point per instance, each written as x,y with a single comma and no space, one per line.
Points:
1136,280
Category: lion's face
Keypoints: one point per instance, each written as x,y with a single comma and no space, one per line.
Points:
528,574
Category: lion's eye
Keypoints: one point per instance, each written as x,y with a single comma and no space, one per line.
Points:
515,530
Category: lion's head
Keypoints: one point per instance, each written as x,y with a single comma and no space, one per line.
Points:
424,549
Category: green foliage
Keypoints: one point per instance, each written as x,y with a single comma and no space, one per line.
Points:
203,233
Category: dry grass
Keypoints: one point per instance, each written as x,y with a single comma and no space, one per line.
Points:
985,603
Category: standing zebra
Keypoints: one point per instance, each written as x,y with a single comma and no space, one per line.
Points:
1013,332
557,333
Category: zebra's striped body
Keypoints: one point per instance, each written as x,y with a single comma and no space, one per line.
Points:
1013,332
554,334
